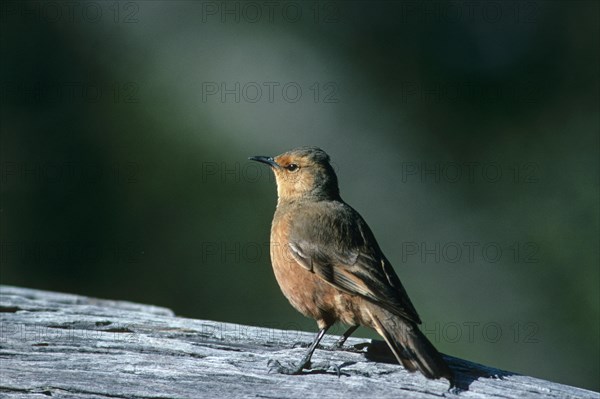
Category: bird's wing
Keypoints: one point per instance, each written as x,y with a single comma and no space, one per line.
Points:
333,241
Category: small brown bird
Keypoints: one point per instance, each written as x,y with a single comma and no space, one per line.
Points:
330,267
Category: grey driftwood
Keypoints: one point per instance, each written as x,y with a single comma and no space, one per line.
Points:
69,346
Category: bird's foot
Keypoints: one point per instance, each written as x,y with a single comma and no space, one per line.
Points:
339,346
293,369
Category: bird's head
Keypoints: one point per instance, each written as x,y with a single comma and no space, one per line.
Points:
303,173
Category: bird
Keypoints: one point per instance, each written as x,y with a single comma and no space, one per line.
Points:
330,267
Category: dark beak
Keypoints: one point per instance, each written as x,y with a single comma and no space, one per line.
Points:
268,160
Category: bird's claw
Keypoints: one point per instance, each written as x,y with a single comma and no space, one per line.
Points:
276,367
337,346
335,368
454,390
347,348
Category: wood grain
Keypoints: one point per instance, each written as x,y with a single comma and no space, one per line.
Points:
69,346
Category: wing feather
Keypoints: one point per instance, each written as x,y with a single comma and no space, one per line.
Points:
337,245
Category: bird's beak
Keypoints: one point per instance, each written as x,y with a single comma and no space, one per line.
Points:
268,160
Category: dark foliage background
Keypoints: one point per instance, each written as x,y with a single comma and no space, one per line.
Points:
466,133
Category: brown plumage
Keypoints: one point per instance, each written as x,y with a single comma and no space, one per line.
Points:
330,267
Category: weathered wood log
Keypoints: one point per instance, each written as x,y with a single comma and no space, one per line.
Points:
70,346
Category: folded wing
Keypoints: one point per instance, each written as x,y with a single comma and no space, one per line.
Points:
338,246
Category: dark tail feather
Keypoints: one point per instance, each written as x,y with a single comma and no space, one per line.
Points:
410,346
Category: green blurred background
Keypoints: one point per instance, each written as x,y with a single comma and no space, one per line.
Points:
466,133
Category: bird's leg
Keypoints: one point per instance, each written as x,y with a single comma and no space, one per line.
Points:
340,342
304,362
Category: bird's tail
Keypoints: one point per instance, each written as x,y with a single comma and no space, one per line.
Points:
409,345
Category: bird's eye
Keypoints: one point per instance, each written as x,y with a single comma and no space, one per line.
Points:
292,167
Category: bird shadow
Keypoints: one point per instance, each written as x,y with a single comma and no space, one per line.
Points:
465,372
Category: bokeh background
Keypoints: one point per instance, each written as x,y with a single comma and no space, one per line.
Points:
466,133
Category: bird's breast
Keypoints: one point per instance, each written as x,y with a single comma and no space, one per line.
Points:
307,292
